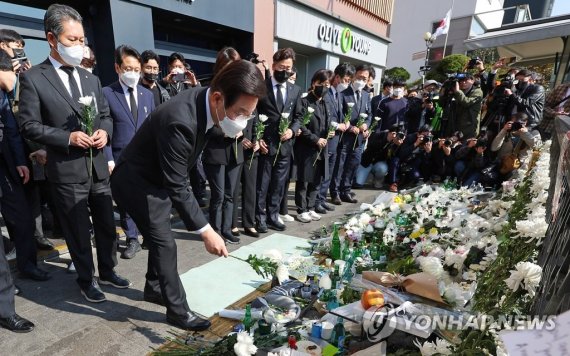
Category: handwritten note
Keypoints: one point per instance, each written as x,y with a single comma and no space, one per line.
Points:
552,340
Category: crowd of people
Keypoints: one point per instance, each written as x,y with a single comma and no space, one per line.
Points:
156,143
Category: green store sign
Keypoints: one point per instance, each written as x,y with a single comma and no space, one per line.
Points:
344,39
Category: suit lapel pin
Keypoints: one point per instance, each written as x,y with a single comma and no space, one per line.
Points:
145,110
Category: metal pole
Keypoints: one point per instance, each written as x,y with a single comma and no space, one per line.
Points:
449,28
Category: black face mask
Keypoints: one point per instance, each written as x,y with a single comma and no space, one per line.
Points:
521,85
151,77
281,75
319,91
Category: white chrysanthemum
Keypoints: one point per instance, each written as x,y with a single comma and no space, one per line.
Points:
533,229
310,110
526,275
439,347
263,117
395,208
274,255
379,224
364,219
304,95
285,115
431,265
86,100
350,105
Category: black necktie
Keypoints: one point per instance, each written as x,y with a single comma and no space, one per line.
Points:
279,98
134,110
75,93
358,96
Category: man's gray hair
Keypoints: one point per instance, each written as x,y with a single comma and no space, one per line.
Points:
56,14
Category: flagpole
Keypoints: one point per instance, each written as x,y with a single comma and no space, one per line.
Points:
447,33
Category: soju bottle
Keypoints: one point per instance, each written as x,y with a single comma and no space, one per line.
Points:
338,333
335,245
247,321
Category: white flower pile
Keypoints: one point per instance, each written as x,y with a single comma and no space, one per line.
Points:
244,345
438,347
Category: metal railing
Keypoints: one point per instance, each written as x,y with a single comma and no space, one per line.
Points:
553,295
381,9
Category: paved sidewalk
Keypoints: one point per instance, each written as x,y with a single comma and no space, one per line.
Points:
66,324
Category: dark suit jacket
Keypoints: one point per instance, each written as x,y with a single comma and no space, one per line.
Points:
165,147
123,121
12,145
363,107
222,150
48,115
336,116
268,106
306,149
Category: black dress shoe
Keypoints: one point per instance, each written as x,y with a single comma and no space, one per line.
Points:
17,290
189,321
17,324
251,232
328,206
153,297
35,273
235,232
133,247
44,244
352,194
336,201
277,226
230,238
93,293
116,281
320,210
261,228
348,199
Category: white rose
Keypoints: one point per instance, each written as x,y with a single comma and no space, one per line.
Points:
263,118
86,100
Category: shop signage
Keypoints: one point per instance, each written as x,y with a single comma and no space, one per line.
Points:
343,38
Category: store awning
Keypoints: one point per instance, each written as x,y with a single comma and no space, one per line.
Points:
532,42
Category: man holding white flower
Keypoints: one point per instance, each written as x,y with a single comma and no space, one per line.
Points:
282,106
51,114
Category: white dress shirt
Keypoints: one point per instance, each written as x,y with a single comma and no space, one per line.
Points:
64,77
128,94
282,87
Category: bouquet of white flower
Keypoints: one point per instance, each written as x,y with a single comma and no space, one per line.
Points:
283,126
259,130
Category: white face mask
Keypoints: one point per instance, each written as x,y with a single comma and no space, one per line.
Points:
358,85
398,92
130,79
72,55
341,87
232,127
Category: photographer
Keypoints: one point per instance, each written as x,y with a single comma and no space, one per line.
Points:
517,140
462,106
471,159
415,155
527,98
379,152
443,156
498,107
180,76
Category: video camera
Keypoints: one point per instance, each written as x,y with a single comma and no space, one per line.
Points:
473,62
452,80
515,126
253,58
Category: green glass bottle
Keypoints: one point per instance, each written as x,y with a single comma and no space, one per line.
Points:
338,333
335,245
247,321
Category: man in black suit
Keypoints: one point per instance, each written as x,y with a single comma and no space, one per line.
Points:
8,317
349,152
283,102
151,176
50,114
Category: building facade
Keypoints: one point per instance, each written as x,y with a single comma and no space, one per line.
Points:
323,32
408,48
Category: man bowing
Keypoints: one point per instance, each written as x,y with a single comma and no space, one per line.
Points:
151,176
